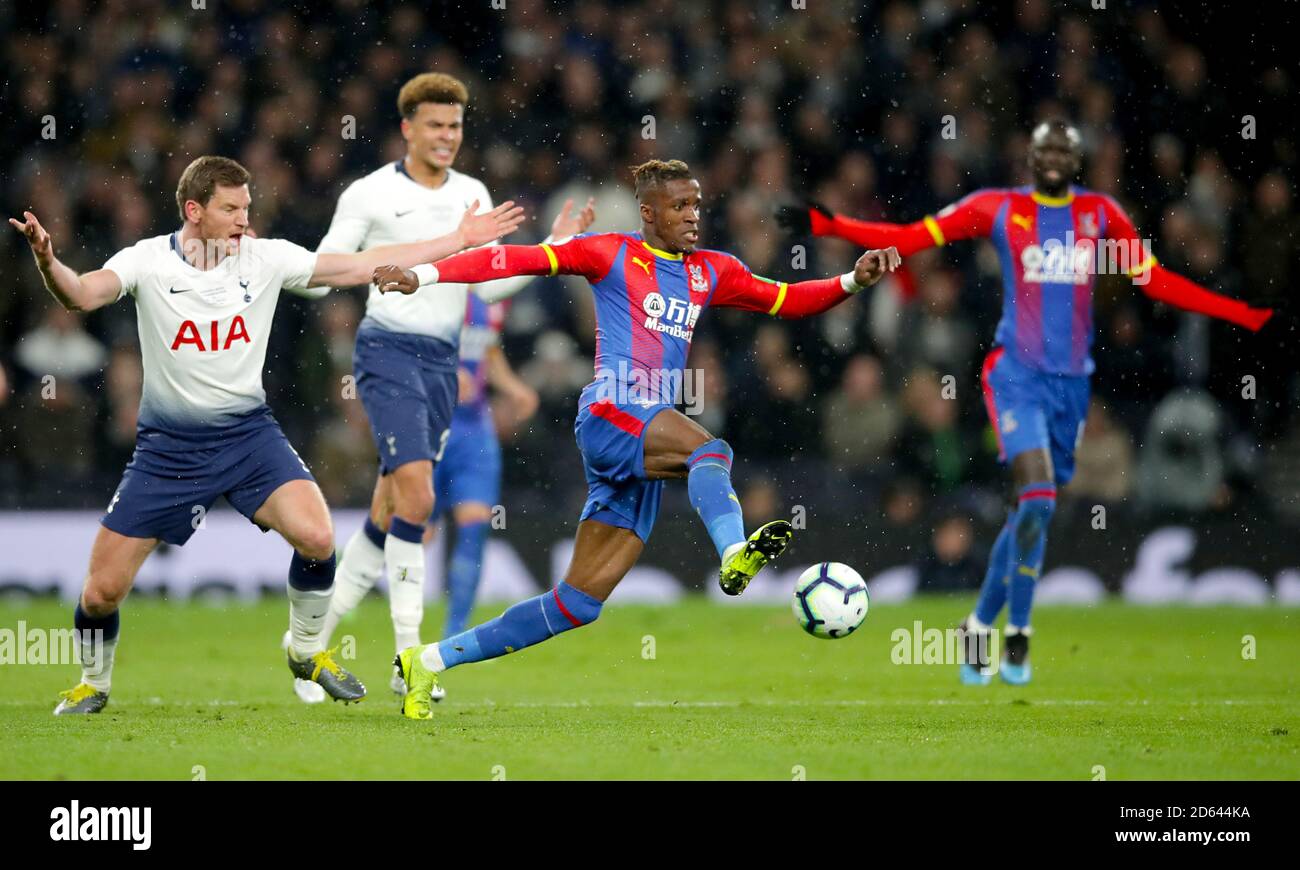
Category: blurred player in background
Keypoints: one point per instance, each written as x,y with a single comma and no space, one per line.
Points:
406,352
467,482
1052,240
205,297
650,289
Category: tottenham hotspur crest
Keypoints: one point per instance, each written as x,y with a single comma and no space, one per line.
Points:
243,285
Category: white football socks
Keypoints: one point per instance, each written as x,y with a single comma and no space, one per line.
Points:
358,572
405,560
96,661
307,609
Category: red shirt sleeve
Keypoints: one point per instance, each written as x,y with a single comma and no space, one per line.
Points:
1160,284
738,287
588,256
968,218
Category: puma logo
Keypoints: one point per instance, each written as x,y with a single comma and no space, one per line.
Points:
1023,221
644,264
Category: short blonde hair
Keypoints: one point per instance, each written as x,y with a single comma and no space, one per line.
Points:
431,88
201,178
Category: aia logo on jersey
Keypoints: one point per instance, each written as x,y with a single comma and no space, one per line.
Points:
699,284
217,338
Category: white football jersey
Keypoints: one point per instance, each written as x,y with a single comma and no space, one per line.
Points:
388,207
203,334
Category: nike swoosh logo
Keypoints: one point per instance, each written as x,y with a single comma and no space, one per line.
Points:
403,213
174,290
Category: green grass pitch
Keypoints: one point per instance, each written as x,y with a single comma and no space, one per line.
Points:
729,692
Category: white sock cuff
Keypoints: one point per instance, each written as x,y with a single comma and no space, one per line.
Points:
732,550
431,658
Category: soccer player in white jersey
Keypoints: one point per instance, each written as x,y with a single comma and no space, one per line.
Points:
205,296
406,352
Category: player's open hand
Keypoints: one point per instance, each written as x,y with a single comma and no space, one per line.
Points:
479,229
568,224
36,236
390,278
873,265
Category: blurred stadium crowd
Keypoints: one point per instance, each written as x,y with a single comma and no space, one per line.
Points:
840,101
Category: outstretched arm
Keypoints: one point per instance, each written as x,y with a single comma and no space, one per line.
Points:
344,270
566,225
588,256
1169,287
971,217
740,288
74,292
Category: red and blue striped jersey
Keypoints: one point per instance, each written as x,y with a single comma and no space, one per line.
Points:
648,302
481,331
1050,250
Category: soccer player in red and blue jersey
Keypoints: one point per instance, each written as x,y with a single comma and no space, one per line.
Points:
650,289
1051,241
467,482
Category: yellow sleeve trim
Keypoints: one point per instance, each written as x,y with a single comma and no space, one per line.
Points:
780,298
550,255
935,233
1143,266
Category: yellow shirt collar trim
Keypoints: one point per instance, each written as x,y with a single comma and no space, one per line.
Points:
659,253
1055,201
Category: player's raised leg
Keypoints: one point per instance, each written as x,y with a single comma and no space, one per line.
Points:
676,446
602,556
114,561
297,511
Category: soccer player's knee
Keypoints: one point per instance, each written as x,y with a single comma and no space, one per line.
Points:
316,542
1032,520
414,504
102,596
